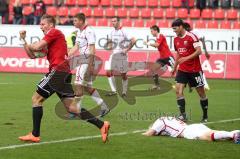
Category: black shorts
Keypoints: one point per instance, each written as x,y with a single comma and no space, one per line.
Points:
56,81
167,61
194,79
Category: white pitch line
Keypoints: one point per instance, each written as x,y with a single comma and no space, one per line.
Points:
92,137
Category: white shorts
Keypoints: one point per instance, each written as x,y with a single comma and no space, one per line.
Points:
80,76
117,62
194,131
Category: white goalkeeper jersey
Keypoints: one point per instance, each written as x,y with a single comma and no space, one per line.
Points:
169,126
85,38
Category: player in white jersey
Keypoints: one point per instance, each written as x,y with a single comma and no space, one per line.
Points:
203,45
120,42
85,44
173,127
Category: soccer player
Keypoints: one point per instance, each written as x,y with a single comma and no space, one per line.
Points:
56,80
120,42
189,71
202,39
166,57
173,127
85,44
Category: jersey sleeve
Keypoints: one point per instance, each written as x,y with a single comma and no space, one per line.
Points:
174,43
195,40
50,36
127,35
160,39
158,126
91,37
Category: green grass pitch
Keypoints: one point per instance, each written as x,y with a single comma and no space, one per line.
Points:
15,120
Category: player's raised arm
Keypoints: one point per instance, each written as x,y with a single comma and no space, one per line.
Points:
31,48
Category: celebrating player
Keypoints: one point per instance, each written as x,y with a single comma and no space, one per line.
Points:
85,44
56,80
189,71
173,127
166,57
120,43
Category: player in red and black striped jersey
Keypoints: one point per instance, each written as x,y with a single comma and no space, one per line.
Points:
189,69
166,57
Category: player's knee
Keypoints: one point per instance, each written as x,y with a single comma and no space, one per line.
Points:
36,100
124,76
109,74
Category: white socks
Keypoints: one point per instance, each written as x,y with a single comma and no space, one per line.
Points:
218,135
125,86
112,83
96,97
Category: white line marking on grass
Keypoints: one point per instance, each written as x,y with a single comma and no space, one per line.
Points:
92,137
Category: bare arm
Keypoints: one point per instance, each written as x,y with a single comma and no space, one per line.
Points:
132,43
149,132
151,44
204,47
73,50
175,64
108,45
31,48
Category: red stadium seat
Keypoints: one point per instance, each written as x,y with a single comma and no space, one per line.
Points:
122,12
48,2
98,12
117,3
200,24
134,13
207,14
102,22
74,11
82,2
129,3
127,22
71,2
63,11
93,2
163,24
110,12
158,13
232,14
153,3
225,25
151,23
51,11
25,2
195,13
191,3
146,13
105,3
170,13
139,23
141,3
219,14
165,3
27,10
177,3
213,24
87,11
182,13
236,25
91,21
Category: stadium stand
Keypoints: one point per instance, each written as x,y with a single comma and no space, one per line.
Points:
142,13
